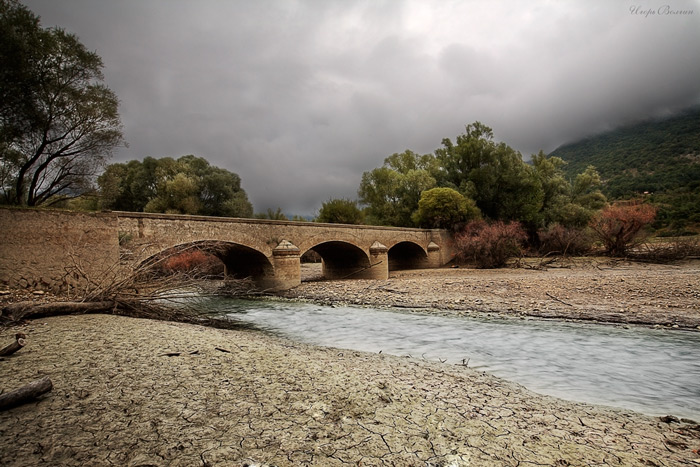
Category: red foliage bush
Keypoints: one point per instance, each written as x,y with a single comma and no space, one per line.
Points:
489,245
620,227
561,240
190,261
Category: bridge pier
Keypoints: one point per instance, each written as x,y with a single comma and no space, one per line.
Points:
287,267
434,256
378,263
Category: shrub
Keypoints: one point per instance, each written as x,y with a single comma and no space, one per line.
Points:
557,239
620,227
444,208
193,261
489,245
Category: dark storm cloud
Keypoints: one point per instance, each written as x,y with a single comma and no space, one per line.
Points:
299,98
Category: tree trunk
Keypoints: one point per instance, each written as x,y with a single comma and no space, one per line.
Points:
14,347
26,393
17,311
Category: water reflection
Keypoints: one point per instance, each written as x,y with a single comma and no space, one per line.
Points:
653,371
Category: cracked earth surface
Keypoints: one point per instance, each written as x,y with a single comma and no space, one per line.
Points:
141,393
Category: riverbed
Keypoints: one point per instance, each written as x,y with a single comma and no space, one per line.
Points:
651,370
133,391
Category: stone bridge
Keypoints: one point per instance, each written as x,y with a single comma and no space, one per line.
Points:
39,245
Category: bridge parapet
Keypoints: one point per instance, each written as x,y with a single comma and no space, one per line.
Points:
269,251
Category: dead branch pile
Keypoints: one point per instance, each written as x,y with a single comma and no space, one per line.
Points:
667,251
145,292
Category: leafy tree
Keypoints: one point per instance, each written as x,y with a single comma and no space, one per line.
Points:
493,175
621,226
20,48
571,205
59,121
177,195
188,185
340,211
444,208
271,214
391,192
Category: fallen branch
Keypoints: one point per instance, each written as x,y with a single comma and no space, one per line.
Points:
26,393
361,270
557,299
15,346
144,292
32,310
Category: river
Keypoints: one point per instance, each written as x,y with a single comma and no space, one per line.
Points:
648,370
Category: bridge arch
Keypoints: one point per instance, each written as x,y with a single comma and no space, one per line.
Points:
407,255
239,261
341,260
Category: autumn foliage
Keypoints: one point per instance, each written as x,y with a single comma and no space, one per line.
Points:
193,261
620,227
489,245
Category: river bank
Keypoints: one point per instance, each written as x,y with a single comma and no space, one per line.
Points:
595,289
130,391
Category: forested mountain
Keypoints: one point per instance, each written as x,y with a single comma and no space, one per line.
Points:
659,157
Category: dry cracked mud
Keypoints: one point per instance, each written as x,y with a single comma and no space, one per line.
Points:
138,392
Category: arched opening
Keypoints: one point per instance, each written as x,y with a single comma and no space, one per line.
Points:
234,261
342,260
407,255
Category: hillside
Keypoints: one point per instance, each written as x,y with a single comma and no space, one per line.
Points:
659,157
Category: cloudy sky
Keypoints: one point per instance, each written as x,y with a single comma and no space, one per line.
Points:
301,97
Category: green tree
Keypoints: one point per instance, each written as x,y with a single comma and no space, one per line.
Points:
271,214
571,205
59,121
494,175
188,185
444,208
555,187
177,195
391,192
340,211
20,48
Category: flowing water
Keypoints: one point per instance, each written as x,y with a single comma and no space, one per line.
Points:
653,371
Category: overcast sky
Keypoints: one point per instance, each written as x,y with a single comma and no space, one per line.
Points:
301,97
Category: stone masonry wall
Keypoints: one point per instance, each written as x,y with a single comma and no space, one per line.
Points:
39,247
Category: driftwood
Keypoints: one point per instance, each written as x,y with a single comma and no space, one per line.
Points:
15,346
26,393
15,312
32,310
143,293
